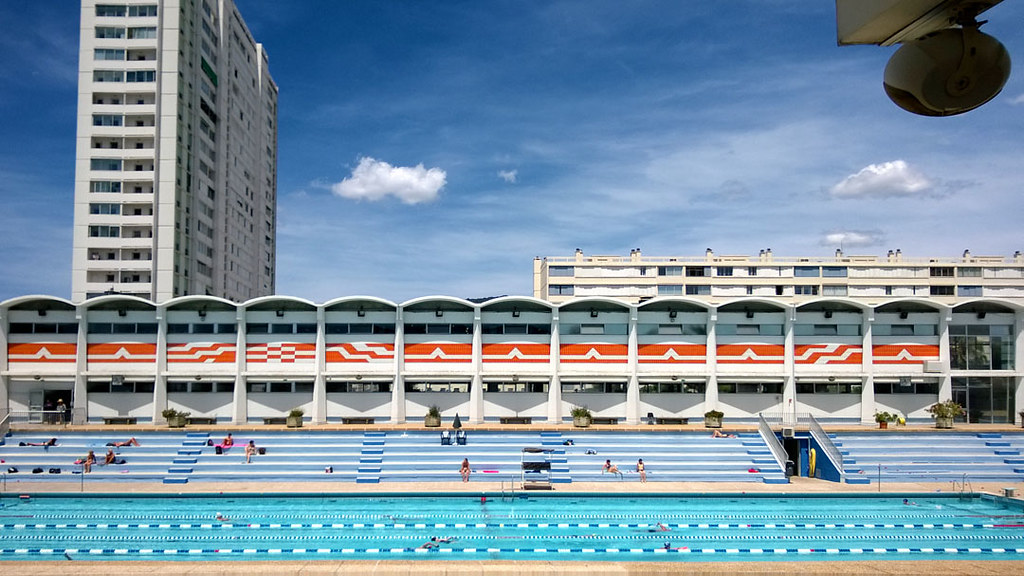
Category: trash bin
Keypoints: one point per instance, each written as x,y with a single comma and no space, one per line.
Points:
790,468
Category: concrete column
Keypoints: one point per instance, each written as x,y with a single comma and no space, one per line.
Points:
789,400
80,395
867,368
1018,364
555,386
5,381
476,385
160,379
398,387
945,381
633,385
319,412
240,398
711,362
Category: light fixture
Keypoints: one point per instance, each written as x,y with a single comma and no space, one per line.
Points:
439,313
360,312
42,312
122,312
750,313
903,315
515,312
672,314
981,315
202,312
280,313
828,313
593,313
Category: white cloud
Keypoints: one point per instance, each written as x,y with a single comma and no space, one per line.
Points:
852,238
509,176
374,179
886,180
1019,99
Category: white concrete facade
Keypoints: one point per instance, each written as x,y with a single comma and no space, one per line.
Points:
176,162
837,359
715,278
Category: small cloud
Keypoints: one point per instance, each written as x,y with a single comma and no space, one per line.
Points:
853,238
887,180
374,179
509,176
1017,100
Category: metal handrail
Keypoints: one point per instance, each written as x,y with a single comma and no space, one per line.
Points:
785,418
5,423
774,446
829,447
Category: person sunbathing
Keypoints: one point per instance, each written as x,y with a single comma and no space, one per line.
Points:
129,442
47,444
717,434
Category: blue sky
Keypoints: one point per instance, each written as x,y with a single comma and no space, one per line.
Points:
437,147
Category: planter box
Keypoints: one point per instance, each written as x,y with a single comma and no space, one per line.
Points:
177,422
581,422
710,422
883,425
294,421
432,421
943,422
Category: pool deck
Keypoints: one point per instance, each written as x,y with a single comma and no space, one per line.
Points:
495,568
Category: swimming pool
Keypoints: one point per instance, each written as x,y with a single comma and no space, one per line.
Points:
676,527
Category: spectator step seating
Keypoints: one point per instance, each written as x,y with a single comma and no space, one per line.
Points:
931,457
370,458
191,447
149,461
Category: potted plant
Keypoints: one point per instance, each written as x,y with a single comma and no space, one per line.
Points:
174,418
581,416
944,412
713,419
294,419
883,419
433,417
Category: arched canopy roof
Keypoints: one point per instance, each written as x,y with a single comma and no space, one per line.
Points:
39,303
833,305
199,302
596,303
520,303
279,303
671,304
983,306
909,305
364,303
753,305
118,302
434,303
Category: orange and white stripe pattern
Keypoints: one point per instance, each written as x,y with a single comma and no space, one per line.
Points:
828,354
438,352
518,352
50,352
361,352
281,353
121,352
202,352
594,353
672,353
751,353
904,353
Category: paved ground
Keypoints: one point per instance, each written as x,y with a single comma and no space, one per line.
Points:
472,568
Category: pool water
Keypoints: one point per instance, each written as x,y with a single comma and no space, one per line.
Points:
678,527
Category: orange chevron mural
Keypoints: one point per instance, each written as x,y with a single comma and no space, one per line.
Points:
750,353
904,353
672,353
281,353
53,352
201,352
361,352
448,352
519,352
121,352
828,354
594,353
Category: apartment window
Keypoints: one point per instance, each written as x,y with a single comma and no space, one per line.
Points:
103,186
103,208
941,271
833,271
751,270
968,290
805,290
107,76
106,120
941,290
107,164
146,32
697,271
140,76
698,290
969,272
561,271
725,270
108,54
109,32
670,270
146,11
670,290
110,10
806,272
104,232
560,290
833,290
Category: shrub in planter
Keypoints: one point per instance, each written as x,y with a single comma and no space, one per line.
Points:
945,412
294,419
581,416
174,418
433,417
883,419
713,419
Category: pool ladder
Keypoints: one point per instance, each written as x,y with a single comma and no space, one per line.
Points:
509,493
966,490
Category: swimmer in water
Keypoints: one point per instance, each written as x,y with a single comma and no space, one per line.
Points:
222,518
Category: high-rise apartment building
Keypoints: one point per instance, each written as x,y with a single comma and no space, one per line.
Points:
176,164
